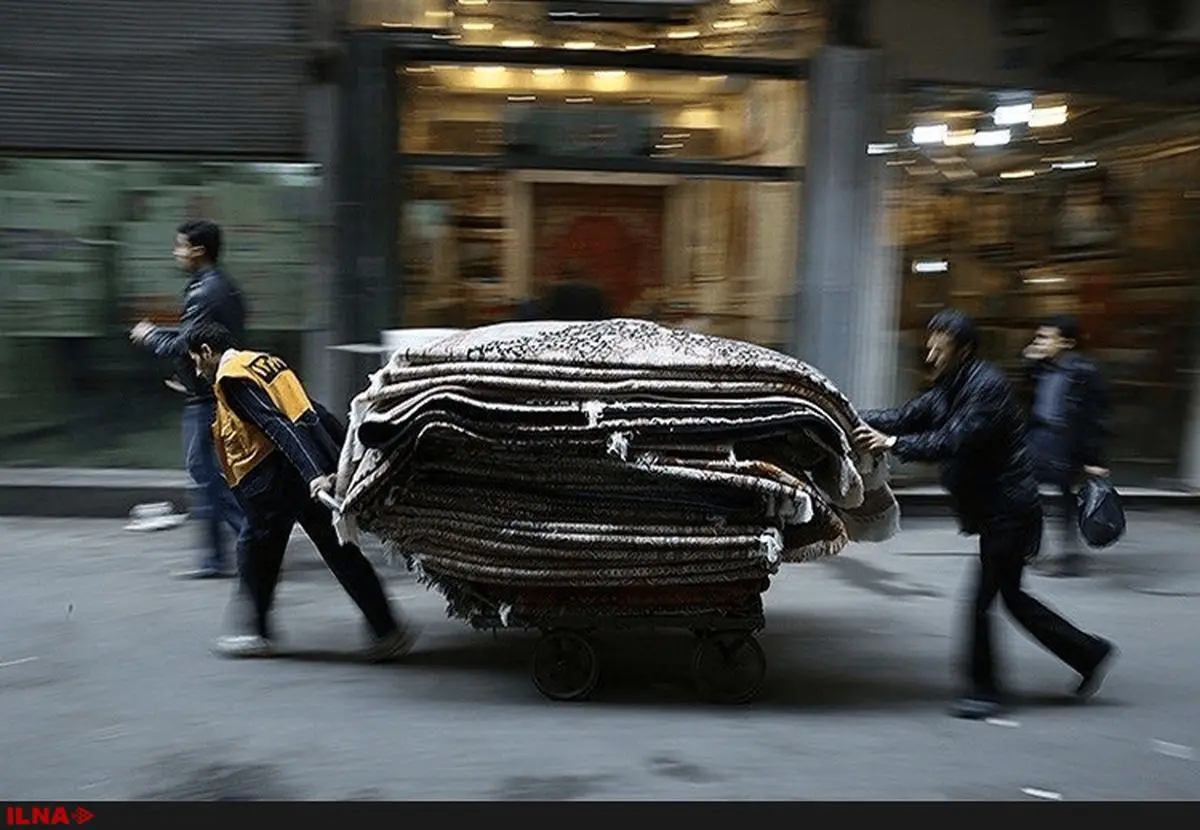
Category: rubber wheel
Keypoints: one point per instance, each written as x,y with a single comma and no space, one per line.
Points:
729,668
565,666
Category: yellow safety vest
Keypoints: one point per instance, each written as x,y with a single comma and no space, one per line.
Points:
242,446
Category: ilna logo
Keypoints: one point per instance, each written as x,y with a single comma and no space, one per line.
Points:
46,815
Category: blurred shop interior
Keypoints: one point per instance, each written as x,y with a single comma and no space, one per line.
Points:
1019,207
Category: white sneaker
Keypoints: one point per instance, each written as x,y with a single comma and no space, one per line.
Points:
244,646
395,645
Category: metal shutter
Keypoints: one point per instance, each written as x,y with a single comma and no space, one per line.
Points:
215,79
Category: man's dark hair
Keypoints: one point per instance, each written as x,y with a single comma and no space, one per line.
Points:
211,334
203,234
958,325
1066,324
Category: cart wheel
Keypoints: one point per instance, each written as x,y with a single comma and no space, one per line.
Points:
729,668
565,666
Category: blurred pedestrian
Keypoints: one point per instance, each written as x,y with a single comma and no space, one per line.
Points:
572,297
209,295
1068,426
279,452
970,423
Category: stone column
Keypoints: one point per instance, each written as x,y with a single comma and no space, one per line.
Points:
368,183
846,317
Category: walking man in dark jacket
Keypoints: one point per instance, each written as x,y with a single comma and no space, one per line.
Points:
276,451
971,425
210,295
1068,427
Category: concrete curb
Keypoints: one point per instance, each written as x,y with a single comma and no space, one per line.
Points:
111,494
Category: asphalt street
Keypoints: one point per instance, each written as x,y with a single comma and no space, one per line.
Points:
108,689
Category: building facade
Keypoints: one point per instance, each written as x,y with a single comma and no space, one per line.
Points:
379,164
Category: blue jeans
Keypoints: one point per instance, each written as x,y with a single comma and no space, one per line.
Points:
1053,468
213,502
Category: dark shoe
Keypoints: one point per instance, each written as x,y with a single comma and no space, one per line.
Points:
1064,568
975,708
205,573
1094,679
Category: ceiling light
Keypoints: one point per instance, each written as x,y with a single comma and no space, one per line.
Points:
742,2
610,73
930,266
959,138
519,43
583,100
1018,174
638,47
1012,114
579,44
472,2
929,134
548,70
489,70
517,99
730,24
1073,165
1048,116
993,138
439,15
476,26
684,35
882,149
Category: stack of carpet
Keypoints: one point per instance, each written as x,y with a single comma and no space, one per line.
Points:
605,467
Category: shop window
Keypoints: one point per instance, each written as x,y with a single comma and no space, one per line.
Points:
85,252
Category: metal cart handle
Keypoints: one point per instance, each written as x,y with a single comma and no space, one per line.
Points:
329,501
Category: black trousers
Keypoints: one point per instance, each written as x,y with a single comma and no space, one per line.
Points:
1004,550
271,513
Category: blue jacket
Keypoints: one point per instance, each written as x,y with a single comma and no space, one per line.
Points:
1087,409
210,295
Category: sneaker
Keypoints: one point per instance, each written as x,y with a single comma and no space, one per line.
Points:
974,708
244,646
393,646
1094,679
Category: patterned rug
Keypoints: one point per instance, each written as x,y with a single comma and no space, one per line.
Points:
617,466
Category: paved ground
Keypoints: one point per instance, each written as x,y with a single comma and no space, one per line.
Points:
107,690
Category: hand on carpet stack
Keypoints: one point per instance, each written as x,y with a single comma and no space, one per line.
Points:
872,441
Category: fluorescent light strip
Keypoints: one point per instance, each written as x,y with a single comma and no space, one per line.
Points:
930,266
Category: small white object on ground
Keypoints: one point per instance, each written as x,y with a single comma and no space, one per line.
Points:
1184,753
8,663
1011,724
1046,794
157,516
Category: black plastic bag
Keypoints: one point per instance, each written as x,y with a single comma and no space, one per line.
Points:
1101,516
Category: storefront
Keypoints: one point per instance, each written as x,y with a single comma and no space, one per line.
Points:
118,126
659,162
1092,215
